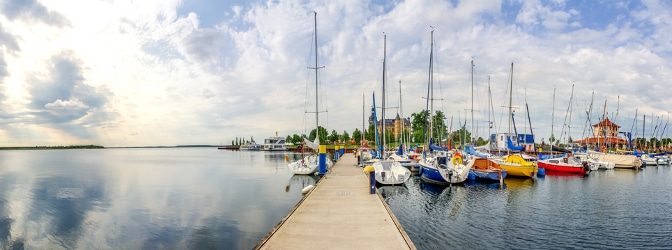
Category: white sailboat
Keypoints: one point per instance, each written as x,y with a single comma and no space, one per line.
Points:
310,164
442,167
388,170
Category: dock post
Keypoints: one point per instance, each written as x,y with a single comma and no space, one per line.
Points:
323,159
372,178
336,152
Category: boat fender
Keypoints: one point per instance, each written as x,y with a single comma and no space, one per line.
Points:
307,189
457,160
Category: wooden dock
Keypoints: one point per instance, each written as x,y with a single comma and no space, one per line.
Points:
340,213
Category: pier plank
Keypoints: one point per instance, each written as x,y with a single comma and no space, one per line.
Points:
339,213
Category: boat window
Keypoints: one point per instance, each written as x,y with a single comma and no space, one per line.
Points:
554,161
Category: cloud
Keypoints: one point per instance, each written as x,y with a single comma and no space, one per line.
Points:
32,10
63,96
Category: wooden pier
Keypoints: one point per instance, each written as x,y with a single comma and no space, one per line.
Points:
340,213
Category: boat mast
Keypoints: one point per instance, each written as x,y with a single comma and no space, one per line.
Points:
552,120
363,115
430,92
472,100
403,123
317,113
510,99
383,95
489,116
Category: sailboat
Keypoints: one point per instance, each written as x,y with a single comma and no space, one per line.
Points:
514,164
388,170
310,163
484,169
441,166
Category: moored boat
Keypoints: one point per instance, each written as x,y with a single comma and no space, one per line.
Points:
390,172
448,168
567,164
487,170
516,165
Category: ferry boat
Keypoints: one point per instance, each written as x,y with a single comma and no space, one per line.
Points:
274,143
250,146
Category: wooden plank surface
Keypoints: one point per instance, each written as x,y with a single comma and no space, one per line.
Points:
340,213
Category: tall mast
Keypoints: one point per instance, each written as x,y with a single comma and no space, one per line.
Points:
383,96
510,99
317,113
489,115
363,115
552,117
403,123
472,98
569,127
430,91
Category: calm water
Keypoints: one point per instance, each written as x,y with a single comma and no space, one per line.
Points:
204,198
616,209
174,198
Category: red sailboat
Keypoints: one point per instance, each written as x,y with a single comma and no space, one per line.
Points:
566,164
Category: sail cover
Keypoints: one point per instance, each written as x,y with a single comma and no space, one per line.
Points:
315,145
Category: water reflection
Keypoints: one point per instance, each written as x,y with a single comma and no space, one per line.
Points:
141,198
297,182
387,191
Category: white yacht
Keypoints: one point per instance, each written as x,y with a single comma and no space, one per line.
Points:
274,143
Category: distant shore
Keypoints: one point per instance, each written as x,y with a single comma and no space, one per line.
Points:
53,147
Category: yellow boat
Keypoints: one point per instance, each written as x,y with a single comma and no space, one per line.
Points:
516,165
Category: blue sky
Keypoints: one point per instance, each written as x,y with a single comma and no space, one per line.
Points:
133,73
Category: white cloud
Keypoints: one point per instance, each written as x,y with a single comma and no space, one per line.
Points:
166,80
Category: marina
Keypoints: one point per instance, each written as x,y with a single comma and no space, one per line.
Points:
340,212
196,198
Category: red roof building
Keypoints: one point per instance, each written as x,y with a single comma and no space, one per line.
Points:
606,132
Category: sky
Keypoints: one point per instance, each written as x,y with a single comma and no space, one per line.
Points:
171,72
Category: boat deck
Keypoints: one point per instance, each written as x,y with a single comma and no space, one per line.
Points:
339,213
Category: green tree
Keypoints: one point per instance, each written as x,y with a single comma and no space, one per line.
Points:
480,141
418,123
322,133
296,139
461,136
371,134
345,137
357,135
333,137
439,130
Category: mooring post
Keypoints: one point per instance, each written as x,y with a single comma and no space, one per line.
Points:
372,178
323,159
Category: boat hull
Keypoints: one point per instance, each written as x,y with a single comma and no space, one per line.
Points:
575,169
444,174
487,170
390,172
308,165
520,171
620,161
489,175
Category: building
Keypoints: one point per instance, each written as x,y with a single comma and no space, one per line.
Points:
393,126
605,133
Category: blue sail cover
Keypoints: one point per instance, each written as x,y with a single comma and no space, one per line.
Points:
401,150
433,146
472,151
510,145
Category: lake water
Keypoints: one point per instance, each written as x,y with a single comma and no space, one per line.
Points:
204,198
150,198
615,209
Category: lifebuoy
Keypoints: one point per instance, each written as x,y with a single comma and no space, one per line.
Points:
457,160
